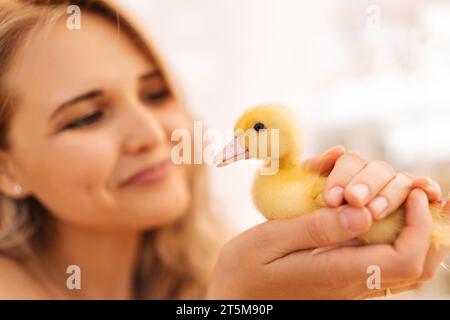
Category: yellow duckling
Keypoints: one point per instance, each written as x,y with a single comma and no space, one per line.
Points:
284,188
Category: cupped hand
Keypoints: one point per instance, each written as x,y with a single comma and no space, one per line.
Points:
274,260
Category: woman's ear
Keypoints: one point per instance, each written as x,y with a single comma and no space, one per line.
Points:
10,184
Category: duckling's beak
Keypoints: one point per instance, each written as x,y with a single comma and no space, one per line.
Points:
234,151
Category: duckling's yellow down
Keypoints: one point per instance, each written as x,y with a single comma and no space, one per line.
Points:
296,190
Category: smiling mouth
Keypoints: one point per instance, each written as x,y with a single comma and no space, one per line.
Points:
150,174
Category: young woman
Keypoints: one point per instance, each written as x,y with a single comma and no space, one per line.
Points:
86,178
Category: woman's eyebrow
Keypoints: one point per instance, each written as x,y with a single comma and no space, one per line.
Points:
96,93
82,97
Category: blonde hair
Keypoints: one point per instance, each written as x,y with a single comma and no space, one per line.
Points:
175,260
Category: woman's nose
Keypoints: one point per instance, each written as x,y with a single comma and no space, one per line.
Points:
143,130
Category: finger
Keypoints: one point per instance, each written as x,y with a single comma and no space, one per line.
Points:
430,187
365,185
435,256
324,163
356,264
413,241
433,262
403,262
345,168
411,287
388,292
323,227
392,196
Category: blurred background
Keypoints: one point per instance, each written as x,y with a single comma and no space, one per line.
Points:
373,76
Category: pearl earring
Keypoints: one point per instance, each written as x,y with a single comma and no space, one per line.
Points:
17,189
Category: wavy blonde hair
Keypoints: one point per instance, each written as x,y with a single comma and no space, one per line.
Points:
175,260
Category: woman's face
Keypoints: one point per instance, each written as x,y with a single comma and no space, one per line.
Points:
92,112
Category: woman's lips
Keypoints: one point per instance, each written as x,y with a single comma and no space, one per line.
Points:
150,174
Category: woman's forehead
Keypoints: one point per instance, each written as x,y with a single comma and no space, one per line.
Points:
62,62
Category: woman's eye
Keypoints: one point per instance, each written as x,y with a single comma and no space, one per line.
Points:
156,97
84,121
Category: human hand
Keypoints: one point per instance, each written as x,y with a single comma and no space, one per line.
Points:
273,260
375,184
346,170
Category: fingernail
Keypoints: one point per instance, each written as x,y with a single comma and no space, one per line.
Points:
360,191
378,205
335,195
423,195
354,220
334,148
329,150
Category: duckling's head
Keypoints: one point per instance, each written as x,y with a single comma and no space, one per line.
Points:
265,132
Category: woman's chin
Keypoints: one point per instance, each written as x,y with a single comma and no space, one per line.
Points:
161,205
170,213
165,210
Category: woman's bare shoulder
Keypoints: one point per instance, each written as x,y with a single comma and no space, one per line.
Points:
17,283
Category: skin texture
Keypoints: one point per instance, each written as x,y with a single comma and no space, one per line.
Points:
76,172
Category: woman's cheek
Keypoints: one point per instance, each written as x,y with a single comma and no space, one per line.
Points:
86,162
74,179
94,162
177,119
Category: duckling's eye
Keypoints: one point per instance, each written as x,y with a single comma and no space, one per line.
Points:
258,126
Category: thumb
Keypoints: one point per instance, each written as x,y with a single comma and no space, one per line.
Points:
320,228
324,163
